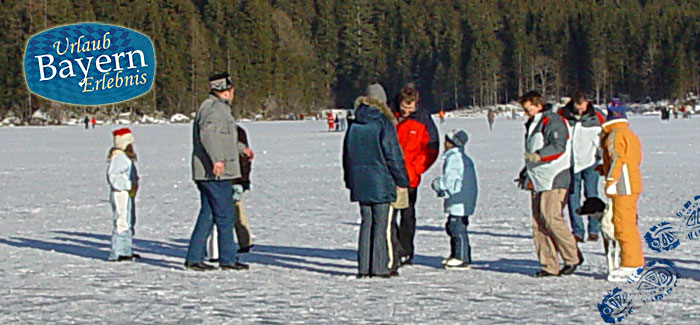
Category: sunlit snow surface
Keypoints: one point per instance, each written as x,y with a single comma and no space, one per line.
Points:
56,221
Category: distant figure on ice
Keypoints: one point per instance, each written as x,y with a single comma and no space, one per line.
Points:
441,114
458,187
546,175
374,172
240,224
337,123
93,121
491,117
215,163
343,122
420,142
123,180
622,156
330,119
584,127
86,120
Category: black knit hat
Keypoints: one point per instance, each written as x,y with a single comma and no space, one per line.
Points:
220,81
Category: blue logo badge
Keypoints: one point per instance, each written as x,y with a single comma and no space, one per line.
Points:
89,64
662,237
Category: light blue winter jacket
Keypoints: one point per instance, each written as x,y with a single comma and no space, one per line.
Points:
457,183
121,173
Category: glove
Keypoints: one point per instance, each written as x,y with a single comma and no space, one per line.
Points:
522,176
532,157
611,187
436,187
237,192
134,190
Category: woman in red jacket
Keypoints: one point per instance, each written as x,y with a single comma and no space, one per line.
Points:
420,142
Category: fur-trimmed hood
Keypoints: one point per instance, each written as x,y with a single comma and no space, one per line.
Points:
365,106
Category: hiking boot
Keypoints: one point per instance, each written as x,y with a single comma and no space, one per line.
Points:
543,274
237,266
580,256
245,249
578,238
124,258
199,267
593,237
568,269
390,275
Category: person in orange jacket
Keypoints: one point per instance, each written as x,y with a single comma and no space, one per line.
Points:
420,142
622,156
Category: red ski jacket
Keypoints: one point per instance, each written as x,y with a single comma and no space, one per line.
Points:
419,139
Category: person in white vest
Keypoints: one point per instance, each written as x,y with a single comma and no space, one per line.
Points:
546,175
585,127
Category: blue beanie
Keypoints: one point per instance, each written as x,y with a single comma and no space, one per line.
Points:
616,110
458,137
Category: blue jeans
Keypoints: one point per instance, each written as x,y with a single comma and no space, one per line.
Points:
590,178
459,238
217,208
123,219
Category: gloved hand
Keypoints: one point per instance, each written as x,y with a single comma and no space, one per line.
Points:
611,187
134,189
237,192
532,157
436,187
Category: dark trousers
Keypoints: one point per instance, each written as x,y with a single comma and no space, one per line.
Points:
376,254
459,238
407,227
217,208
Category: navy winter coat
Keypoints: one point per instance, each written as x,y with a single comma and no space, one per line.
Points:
373,164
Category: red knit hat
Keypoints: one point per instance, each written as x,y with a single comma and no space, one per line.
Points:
122,138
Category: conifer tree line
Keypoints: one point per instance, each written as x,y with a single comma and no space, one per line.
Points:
299,56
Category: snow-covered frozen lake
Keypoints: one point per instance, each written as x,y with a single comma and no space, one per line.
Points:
56,222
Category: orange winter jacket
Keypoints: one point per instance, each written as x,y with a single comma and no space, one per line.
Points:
622,156
419,140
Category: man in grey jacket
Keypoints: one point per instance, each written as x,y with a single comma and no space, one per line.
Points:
215,162
546,174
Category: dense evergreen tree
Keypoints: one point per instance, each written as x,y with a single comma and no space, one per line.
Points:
299,56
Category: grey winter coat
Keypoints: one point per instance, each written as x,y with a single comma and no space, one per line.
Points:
214,139
548,136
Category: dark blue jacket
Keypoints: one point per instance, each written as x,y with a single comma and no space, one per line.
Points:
373,164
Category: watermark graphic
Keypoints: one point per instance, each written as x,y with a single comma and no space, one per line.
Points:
662,237
89,64
667,236
654,282
616,306
658,278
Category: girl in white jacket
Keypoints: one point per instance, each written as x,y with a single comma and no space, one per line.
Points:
123,179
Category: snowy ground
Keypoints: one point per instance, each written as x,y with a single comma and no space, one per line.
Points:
56,221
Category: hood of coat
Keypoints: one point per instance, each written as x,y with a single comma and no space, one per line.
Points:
368,109
615,124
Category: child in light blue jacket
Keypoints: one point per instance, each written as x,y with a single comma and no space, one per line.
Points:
123,181
458,187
